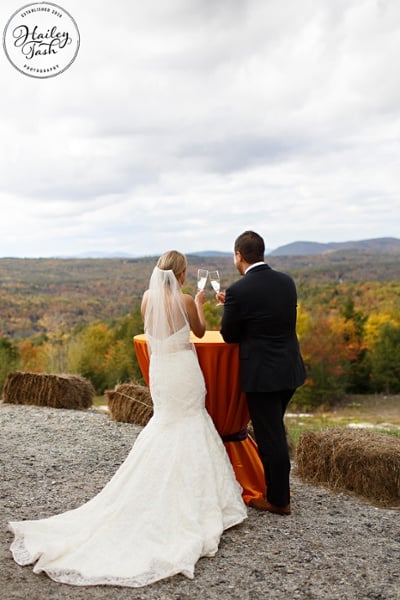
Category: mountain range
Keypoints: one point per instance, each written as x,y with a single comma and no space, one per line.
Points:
387,244
299,248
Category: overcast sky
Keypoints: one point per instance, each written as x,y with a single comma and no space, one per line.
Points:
182,123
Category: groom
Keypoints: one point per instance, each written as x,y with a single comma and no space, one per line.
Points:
260,314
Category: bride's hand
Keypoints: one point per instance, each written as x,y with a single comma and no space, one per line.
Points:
200,297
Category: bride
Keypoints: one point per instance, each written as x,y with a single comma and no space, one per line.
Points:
170,501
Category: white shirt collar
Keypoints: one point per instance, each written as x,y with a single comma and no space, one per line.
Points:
261,262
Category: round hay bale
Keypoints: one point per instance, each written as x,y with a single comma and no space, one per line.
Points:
42,389
360,461
130,403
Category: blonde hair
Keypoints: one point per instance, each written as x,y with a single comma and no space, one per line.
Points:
174,261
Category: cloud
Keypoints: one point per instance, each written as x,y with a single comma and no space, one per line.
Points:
182,124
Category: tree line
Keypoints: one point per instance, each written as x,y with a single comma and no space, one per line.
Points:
346,350
349,331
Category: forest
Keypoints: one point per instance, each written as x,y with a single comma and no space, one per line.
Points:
80,315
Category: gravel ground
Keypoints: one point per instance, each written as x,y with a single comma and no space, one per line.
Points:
332,546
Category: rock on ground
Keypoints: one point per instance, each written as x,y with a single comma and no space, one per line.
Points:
332,546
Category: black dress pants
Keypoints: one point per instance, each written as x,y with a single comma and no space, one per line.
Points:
267,410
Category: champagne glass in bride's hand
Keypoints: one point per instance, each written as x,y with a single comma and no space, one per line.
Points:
202,275
214,280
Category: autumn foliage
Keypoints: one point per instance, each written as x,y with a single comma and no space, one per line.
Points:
79,316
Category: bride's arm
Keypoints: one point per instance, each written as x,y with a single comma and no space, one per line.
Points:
194,309
144,302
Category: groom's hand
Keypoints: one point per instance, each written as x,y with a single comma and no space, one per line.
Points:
220,297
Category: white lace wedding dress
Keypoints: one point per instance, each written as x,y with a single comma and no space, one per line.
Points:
165,507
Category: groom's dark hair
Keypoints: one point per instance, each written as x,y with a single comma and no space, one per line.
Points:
251,246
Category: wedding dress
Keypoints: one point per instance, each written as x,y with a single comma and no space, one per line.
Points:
165,507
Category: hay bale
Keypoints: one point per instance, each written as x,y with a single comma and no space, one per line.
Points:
130,403
359,461
42,389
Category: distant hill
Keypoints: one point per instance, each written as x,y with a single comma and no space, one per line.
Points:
101,254
96,254
300,248
214,253
309,248
39,293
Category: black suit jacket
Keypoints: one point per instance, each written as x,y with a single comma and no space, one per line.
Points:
260,314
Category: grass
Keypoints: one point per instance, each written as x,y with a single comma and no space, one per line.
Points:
99,401
376,412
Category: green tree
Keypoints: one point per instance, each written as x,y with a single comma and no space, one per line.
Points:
88,352
8,358
385,360
213,314
119,364
122,363
105,354
358,367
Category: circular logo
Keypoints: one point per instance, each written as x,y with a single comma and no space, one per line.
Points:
41,40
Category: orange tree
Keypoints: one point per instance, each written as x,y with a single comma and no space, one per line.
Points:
326,355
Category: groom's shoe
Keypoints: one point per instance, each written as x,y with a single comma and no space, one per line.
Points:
261,504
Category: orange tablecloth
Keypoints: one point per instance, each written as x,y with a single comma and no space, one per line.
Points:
225,403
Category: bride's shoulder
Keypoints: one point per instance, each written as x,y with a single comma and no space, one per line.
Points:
190,306
188,300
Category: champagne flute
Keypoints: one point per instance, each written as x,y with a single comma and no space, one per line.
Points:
214,280
202,275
